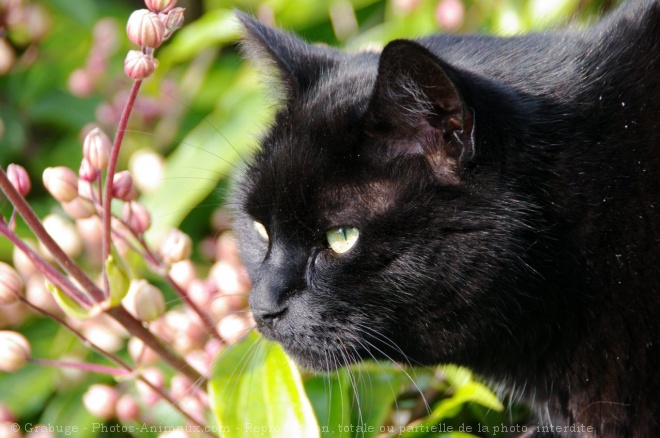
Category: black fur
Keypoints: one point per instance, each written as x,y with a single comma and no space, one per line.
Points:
507,192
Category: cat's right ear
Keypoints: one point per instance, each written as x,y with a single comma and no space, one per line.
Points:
417,108
297,65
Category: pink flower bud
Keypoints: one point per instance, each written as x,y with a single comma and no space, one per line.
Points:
122,186
7,57
19,178
160,5
11,285
136,217
233,327
96,148
173,21
156,378
64,234
181,386
8,429
61,182
145,301
127,409
145,29
79,208
141,353
14,351
176,247
138,65
81,83
449,14
183,273
87,172
100,401
6,414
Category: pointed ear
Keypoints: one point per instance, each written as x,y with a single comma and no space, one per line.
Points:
418,109
298,65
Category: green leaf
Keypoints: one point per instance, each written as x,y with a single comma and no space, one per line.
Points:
118,279
257,390
208,153
213,29
466,391
332,404
68,305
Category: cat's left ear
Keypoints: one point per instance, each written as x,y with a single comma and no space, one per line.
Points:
298,65
419,110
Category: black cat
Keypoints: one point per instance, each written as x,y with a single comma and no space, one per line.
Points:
492,202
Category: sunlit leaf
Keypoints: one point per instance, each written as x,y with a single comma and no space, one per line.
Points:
257,390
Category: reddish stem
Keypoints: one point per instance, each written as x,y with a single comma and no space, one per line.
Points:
119,362
109,176
88,367
52,274
33,221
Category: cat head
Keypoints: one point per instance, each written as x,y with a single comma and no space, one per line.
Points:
368,226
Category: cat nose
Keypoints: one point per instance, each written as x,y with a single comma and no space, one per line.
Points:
266,302
267,316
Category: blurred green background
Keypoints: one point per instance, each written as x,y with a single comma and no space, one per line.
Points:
200,115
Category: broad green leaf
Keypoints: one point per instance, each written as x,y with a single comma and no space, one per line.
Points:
329,395
257,390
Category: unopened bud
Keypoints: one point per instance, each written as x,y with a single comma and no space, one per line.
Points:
81,83
233,327
160,5
87,172
173,21
96,148
127,408
145,29
64,234
61,183
138,65
100,401
122,186
136,217
145,301
14,351
79,208
156,378
11,285
19,178
176,247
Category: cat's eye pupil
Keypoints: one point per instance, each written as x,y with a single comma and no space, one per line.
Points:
342,239
261,230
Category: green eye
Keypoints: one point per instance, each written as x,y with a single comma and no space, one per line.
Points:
261,230
342,239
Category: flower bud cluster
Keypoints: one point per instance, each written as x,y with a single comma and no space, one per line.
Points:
26,23
148,28
85,80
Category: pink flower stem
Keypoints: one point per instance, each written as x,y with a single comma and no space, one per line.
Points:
117,360
52,274
32,220
88,367
112,167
